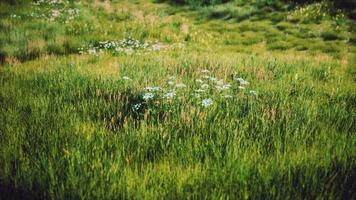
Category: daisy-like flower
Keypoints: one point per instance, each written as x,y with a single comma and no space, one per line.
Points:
206,102
148,96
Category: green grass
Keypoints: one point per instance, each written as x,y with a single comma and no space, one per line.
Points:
69,128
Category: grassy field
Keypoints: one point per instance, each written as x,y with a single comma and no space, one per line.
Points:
157,100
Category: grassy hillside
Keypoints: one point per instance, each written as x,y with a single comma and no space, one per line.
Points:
150,100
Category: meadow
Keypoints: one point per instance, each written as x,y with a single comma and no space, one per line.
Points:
148,99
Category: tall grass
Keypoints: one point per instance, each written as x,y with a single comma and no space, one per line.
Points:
81,126
65,134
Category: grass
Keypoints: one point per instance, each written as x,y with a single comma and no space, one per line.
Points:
74,122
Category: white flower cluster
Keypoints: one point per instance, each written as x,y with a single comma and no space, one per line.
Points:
53,10
48,2
208,90
127,45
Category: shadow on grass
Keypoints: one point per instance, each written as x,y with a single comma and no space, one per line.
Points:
9,192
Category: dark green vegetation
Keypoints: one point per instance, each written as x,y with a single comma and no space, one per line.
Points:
74,122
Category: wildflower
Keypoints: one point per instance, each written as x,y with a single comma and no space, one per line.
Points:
199,81
242,81
136,107
219,82
148,96
227,96
92,51
204,86
180,85
253,92
169,95
153,89
206,102
212,78
199,90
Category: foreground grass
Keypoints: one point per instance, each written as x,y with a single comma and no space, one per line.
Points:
69,127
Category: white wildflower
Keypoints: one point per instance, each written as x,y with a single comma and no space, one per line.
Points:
153,89
206,102
219,82
253,92
199,81
169,95
242,81
180,85
199,90
212,78
148,96
136,107
204,86
227,96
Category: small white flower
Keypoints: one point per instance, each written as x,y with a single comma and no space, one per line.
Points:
226,86
148,96
242,81
204,86
180,85
223,87
169,95
219,82
253,92
199,81
136,107
172,78
199,90
126,78
206,102
153,89
212,78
